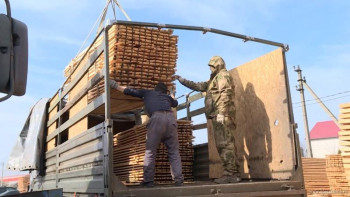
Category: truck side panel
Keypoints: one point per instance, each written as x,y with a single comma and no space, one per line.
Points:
76,165
264,136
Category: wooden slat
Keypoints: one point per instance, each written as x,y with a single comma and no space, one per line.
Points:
344,105
336,173
139,58
82,92
129,150
315,175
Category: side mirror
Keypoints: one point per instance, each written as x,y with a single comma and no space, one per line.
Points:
13,55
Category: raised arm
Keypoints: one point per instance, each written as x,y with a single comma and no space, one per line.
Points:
127,91
199,86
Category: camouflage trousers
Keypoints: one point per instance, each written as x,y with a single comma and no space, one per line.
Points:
225,144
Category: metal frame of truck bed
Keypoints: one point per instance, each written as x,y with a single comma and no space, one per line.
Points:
92,173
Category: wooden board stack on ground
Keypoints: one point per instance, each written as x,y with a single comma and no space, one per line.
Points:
23,184
339,186
129,150
344,137
315,176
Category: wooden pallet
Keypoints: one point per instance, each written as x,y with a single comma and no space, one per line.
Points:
129,151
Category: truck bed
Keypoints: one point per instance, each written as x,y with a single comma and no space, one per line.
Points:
208,188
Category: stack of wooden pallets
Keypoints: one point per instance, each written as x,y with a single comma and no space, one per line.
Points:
139,57
315,176
129,151
23,184
344,136
339,186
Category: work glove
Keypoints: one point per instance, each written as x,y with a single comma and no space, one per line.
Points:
179,78
113,84
220,118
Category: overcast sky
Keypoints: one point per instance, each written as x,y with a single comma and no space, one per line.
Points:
316,31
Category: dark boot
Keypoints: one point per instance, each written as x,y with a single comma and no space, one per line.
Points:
147,184
228,179
235,178
179,183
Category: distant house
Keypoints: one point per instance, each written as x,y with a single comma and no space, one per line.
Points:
324,139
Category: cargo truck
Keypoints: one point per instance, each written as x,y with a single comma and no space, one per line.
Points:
77,154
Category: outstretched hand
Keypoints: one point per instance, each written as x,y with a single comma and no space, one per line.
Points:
113,84
179,78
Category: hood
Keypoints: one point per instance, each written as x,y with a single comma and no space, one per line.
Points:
218,63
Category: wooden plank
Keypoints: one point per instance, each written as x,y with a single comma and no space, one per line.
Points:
344,105
344,127
81,125
91,134
82,92
88,109
51,144
345,116
344,137
78,128
83,101
51,128
139,63
129,150
344,143
344,121
53,101
53,113
121,103
344,111
343,133
80,71
315,175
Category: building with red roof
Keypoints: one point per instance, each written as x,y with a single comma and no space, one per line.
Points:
324,139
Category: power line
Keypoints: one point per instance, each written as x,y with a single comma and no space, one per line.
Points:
325,96
323,101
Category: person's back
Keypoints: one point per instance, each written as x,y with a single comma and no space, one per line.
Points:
161,127
153,100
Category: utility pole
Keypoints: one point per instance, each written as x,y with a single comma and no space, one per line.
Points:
306,124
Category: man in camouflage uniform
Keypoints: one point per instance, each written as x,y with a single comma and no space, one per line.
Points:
220,109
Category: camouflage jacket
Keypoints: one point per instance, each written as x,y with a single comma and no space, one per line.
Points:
219,94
